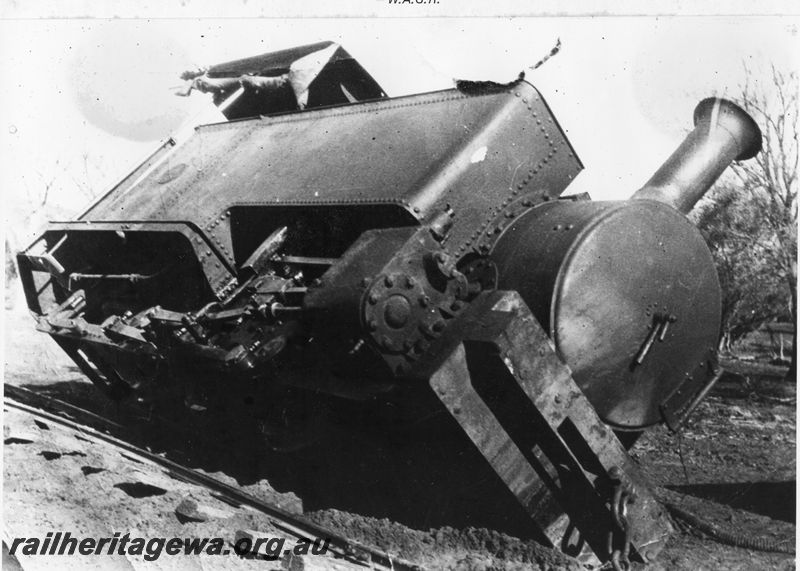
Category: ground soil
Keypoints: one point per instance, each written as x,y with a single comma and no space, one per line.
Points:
733,464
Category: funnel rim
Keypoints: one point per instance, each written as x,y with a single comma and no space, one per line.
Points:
748,131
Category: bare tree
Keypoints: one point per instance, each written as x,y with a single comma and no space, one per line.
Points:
772,177
751,218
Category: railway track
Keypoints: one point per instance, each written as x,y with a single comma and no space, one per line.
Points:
94,426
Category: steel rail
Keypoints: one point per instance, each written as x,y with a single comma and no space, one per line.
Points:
299,527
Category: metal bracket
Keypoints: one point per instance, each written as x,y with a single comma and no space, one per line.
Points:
678,407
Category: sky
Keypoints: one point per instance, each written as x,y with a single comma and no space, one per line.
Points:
83,100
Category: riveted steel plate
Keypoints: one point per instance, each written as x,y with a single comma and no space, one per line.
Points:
472,151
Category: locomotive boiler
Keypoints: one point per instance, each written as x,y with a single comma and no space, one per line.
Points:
341,242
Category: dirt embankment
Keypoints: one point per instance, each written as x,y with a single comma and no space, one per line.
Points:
733,464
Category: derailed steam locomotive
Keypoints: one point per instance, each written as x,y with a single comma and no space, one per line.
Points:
333,239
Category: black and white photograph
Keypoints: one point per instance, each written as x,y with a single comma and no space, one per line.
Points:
399,285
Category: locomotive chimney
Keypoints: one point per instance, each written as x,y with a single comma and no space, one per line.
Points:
723,133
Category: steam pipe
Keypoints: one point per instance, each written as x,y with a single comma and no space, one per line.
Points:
723,133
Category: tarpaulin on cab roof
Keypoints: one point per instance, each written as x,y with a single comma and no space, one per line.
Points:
314,75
